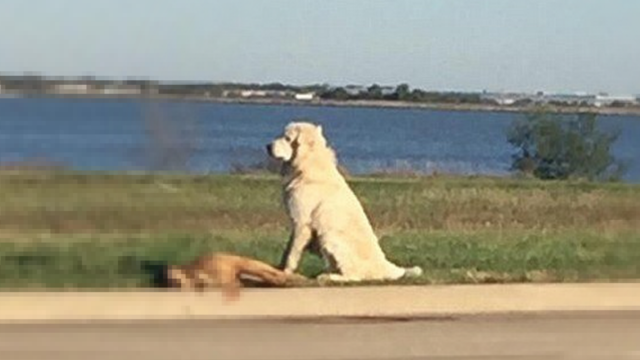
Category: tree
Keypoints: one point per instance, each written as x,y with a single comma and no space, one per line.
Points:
402,92
552,146
338,93
374,92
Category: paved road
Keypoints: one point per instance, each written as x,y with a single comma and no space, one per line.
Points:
584,336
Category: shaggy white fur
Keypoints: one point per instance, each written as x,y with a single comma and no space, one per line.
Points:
325,212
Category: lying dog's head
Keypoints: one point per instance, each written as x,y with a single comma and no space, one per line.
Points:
297,137
177,277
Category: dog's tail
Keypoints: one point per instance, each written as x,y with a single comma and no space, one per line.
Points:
413,272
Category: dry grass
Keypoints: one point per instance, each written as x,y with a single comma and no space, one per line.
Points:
79,203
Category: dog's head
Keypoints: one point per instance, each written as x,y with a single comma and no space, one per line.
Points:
297,137
177,277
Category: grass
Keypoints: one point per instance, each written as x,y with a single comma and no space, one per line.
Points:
66,230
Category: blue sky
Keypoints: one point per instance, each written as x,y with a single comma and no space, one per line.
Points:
498,45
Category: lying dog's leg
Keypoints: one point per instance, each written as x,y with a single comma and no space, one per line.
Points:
229,282
264,272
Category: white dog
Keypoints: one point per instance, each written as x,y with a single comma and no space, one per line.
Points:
325,212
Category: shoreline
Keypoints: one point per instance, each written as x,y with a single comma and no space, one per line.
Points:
382,104
372,104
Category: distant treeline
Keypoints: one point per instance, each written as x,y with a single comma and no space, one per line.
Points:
401,92
30,84
37,84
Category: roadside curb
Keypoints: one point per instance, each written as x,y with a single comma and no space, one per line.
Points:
380,301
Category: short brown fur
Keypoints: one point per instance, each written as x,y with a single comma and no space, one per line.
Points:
225,271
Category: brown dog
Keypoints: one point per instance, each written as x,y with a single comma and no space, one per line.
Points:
226,271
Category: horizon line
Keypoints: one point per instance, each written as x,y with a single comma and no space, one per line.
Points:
298,85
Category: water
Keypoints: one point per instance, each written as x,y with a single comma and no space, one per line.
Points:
114,135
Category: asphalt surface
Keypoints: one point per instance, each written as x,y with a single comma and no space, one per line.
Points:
588,335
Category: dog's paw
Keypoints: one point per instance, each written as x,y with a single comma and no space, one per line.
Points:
328,278
323,279
413,272
332,278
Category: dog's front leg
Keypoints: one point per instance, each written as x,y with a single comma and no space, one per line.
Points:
300,238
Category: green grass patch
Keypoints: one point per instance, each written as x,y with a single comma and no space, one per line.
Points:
66,230
480,257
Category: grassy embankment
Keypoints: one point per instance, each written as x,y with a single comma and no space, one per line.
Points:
99,231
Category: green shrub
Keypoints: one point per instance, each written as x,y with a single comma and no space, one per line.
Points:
553,146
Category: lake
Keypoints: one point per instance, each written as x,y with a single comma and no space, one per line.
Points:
114,135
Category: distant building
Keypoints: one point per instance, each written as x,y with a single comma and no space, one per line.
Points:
305,96
71,88
253,93
504,99
279,93
355,89
121,89
570,99
387,90
606,100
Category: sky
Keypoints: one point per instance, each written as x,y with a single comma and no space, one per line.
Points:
455,45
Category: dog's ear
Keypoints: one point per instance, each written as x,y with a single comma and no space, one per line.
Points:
312,139
319,138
